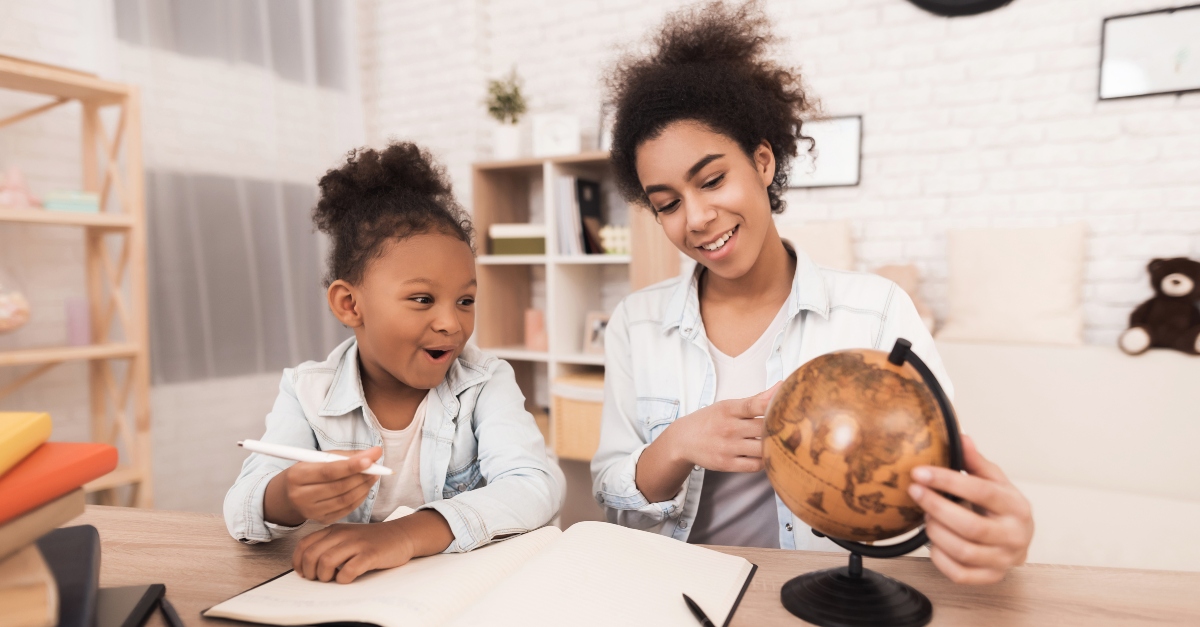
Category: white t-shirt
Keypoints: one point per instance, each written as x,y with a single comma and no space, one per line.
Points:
401,453
738,508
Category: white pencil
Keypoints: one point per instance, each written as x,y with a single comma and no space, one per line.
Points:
305,455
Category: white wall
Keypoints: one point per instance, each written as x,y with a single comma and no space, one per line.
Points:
969,122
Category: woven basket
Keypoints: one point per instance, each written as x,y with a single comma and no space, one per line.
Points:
577,401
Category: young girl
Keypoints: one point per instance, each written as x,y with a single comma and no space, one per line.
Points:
705,129
407,391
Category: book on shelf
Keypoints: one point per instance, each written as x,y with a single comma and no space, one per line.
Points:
517,239
580,216
28,592
544,577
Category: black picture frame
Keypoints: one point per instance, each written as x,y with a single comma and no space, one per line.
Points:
959,8
1104,40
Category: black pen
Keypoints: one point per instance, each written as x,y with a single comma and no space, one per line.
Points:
697,612
169,612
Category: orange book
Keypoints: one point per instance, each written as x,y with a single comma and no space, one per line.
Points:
51,471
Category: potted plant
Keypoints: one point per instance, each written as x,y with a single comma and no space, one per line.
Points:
506,104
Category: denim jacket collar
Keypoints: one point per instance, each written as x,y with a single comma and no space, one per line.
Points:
346,394
808,292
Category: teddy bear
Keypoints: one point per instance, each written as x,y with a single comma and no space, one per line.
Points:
1172,318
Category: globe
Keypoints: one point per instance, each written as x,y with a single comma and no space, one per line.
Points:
842,435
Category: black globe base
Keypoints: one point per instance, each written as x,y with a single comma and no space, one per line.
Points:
854,597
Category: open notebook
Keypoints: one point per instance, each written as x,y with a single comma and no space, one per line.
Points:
592,574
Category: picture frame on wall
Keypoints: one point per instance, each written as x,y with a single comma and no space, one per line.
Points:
836,157
1150,53
593,332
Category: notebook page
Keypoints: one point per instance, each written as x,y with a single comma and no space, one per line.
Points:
426,591
601,574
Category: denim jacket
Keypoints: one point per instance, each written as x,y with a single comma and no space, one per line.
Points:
658,368
483,462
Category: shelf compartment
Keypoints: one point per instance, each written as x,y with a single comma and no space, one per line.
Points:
581,359
67,218
57,354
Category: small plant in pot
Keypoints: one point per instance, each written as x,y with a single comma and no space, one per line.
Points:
506,104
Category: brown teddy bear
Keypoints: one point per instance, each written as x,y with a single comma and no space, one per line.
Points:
1172,318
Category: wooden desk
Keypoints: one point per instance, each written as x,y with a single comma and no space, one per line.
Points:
201,566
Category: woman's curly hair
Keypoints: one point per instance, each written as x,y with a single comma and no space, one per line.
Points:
709,65
381,196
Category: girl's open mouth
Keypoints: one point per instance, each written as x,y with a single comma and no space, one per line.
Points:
437,354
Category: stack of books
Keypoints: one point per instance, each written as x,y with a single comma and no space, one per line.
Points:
48,576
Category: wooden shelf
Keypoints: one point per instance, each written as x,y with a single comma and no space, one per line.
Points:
56,354
67,218
589,260
518,353
51,80
511,260
580,359
114,264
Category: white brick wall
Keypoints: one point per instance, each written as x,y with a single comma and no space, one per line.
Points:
971,122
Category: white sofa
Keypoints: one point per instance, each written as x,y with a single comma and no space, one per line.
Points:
1105,446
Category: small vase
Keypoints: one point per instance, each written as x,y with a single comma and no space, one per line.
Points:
506,142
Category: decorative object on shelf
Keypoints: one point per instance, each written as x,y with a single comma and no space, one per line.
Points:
956,8
1150,53
833,158
79,322
1171,319
506,104
908,278
14,191
604,130
536,338
843,434
14,307
593,332
614,239
555,134
517,239
78,202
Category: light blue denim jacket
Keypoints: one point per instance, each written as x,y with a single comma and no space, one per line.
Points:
658,368
483,463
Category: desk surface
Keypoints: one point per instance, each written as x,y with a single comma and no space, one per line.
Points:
201,566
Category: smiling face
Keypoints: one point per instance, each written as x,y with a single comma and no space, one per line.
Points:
413,311
710,197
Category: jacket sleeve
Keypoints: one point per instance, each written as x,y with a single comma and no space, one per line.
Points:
901,320
623,439
244,501
524,487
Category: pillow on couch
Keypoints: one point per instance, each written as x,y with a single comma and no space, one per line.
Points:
1016,285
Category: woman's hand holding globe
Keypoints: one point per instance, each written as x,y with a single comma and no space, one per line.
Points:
973,547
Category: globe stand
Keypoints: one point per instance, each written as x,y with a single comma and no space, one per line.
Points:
854,596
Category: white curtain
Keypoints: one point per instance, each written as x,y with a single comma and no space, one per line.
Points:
246,103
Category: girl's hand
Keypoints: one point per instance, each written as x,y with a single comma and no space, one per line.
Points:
320,491
725,436
344,552
973,546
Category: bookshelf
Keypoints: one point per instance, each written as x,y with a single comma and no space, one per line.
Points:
566,287
115,253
